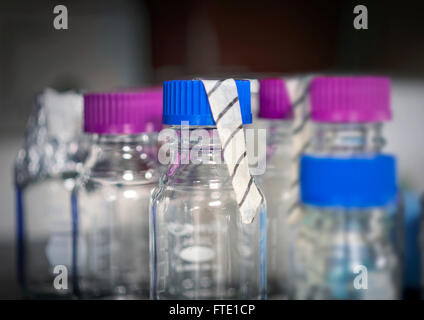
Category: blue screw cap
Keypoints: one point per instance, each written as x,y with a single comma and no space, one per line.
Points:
361,182
186,100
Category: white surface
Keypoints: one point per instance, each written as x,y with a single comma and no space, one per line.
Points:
405,134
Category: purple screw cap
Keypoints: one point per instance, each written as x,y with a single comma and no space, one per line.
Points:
274,100
350,99
126,112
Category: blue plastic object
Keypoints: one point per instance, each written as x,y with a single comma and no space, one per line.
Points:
360,182
186,100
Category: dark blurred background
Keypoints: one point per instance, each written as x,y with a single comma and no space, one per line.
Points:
128,43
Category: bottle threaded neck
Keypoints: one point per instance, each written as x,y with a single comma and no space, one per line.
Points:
347,138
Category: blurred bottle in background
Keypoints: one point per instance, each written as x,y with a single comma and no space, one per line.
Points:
275,115
410,250
347,237
200,247
45,171
111,200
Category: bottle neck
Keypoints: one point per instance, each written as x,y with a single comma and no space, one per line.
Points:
122,156
347,138
278,137
194,157
197,145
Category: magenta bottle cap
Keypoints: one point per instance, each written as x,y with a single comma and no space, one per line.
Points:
126,112
350,99
274,100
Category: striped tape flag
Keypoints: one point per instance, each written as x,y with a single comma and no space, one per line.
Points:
298,89
225,107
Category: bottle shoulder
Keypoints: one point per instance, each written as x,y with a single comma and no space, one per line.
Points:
92,180
122,167
196,176
196,184
118,159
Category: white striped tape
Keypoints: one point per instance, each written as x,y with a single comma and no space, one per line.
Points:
225,107
298,89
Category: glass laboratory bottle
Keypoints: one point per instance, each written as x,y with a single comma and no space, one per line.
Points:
347,237
46,169
348,114
111,200
200,247
275,115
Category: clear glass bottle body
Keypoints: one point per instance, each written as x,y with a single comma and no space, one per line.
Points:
275,183
333,244
44,235
346,254
200,249
111,220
